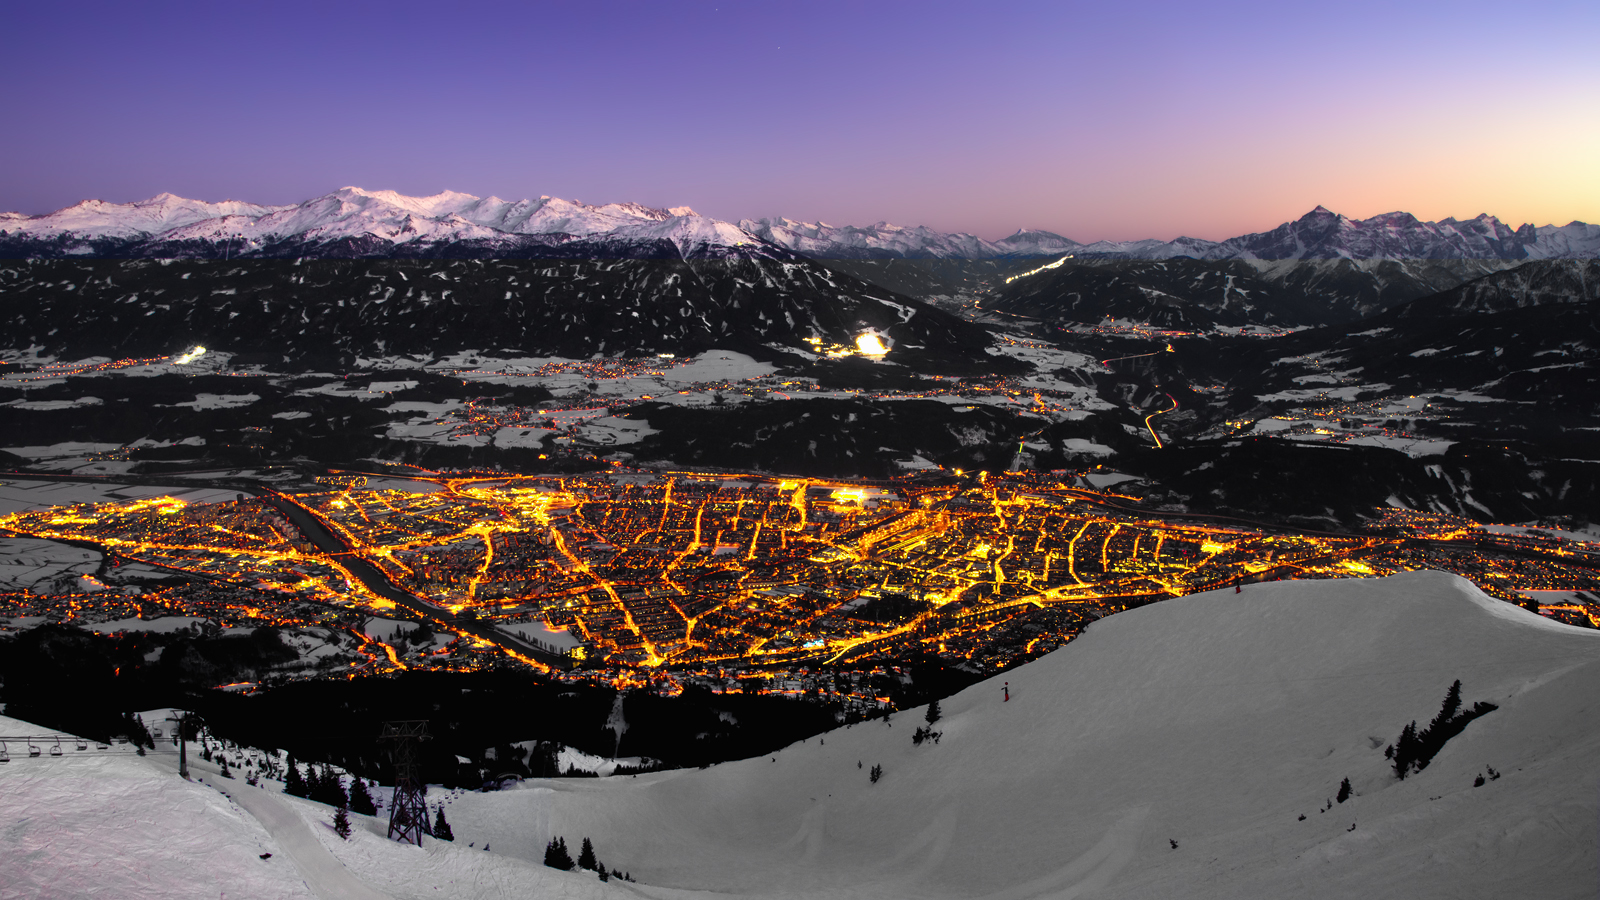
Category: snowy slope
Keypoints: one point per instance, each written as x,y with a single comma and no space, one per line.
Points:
112,824
1214,720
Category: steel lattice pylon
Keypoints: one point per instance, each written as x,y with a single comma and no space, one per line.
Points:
408,811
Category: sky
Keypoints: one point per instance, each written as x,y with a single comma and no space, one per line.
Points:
1145,118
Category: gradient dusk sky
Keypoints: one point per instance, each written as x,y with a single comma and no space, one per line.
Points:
1093,120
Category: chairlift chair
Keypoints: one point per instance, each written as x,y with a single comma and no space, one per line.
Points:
101,745
32,750
82,744
4,756
55,750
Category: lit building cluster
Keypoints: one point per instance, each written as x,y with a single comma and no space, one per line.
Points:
739,582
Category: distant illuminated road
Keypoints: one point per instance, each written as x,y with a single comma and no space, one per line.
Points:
1159,412
1107,362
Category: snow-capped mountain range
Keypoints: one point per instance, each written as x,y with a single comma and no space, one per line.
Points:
356,222
354,215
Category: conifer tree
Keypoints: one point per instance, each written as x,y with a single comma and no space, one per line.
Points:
1452,705
224,769
330,788
361,799
441,827
1405,750
556,855
293,784
586,858
341,823
1344,791
934,713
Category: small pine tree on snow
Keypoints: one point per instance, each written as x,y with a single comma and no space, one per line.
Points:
441,828
223,771
876,773
361,799
934,713
586,859
556,855
1344,791
604,875
293,784
341,823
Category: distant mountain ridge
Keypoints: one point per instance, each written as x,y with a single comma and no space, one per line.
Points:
356,222
1319,234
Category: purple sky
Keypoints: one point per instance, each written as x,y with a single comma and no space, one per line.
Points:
1094,120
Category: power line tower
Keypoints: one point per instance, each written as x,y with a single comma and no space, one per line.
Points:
408,811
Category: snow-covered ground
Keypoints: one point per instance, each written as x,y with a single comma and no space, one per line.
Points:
1185,749
112,824
19,494
29,562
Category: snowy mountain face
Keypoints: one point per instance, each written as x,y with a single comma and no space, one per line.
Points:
885,241
351,219
354,222
1322,268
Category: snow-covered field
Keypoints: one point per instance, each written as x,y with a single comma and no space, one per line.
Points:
19,494
1186,749
29,562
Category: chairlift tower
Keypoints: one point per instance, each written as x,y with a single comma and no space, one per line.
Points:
408,811
182,718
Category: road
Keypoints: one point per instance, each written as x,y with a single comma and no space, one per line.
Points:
326,540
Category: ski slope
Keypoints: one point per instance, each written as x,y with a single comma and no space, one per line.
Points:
1214,721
